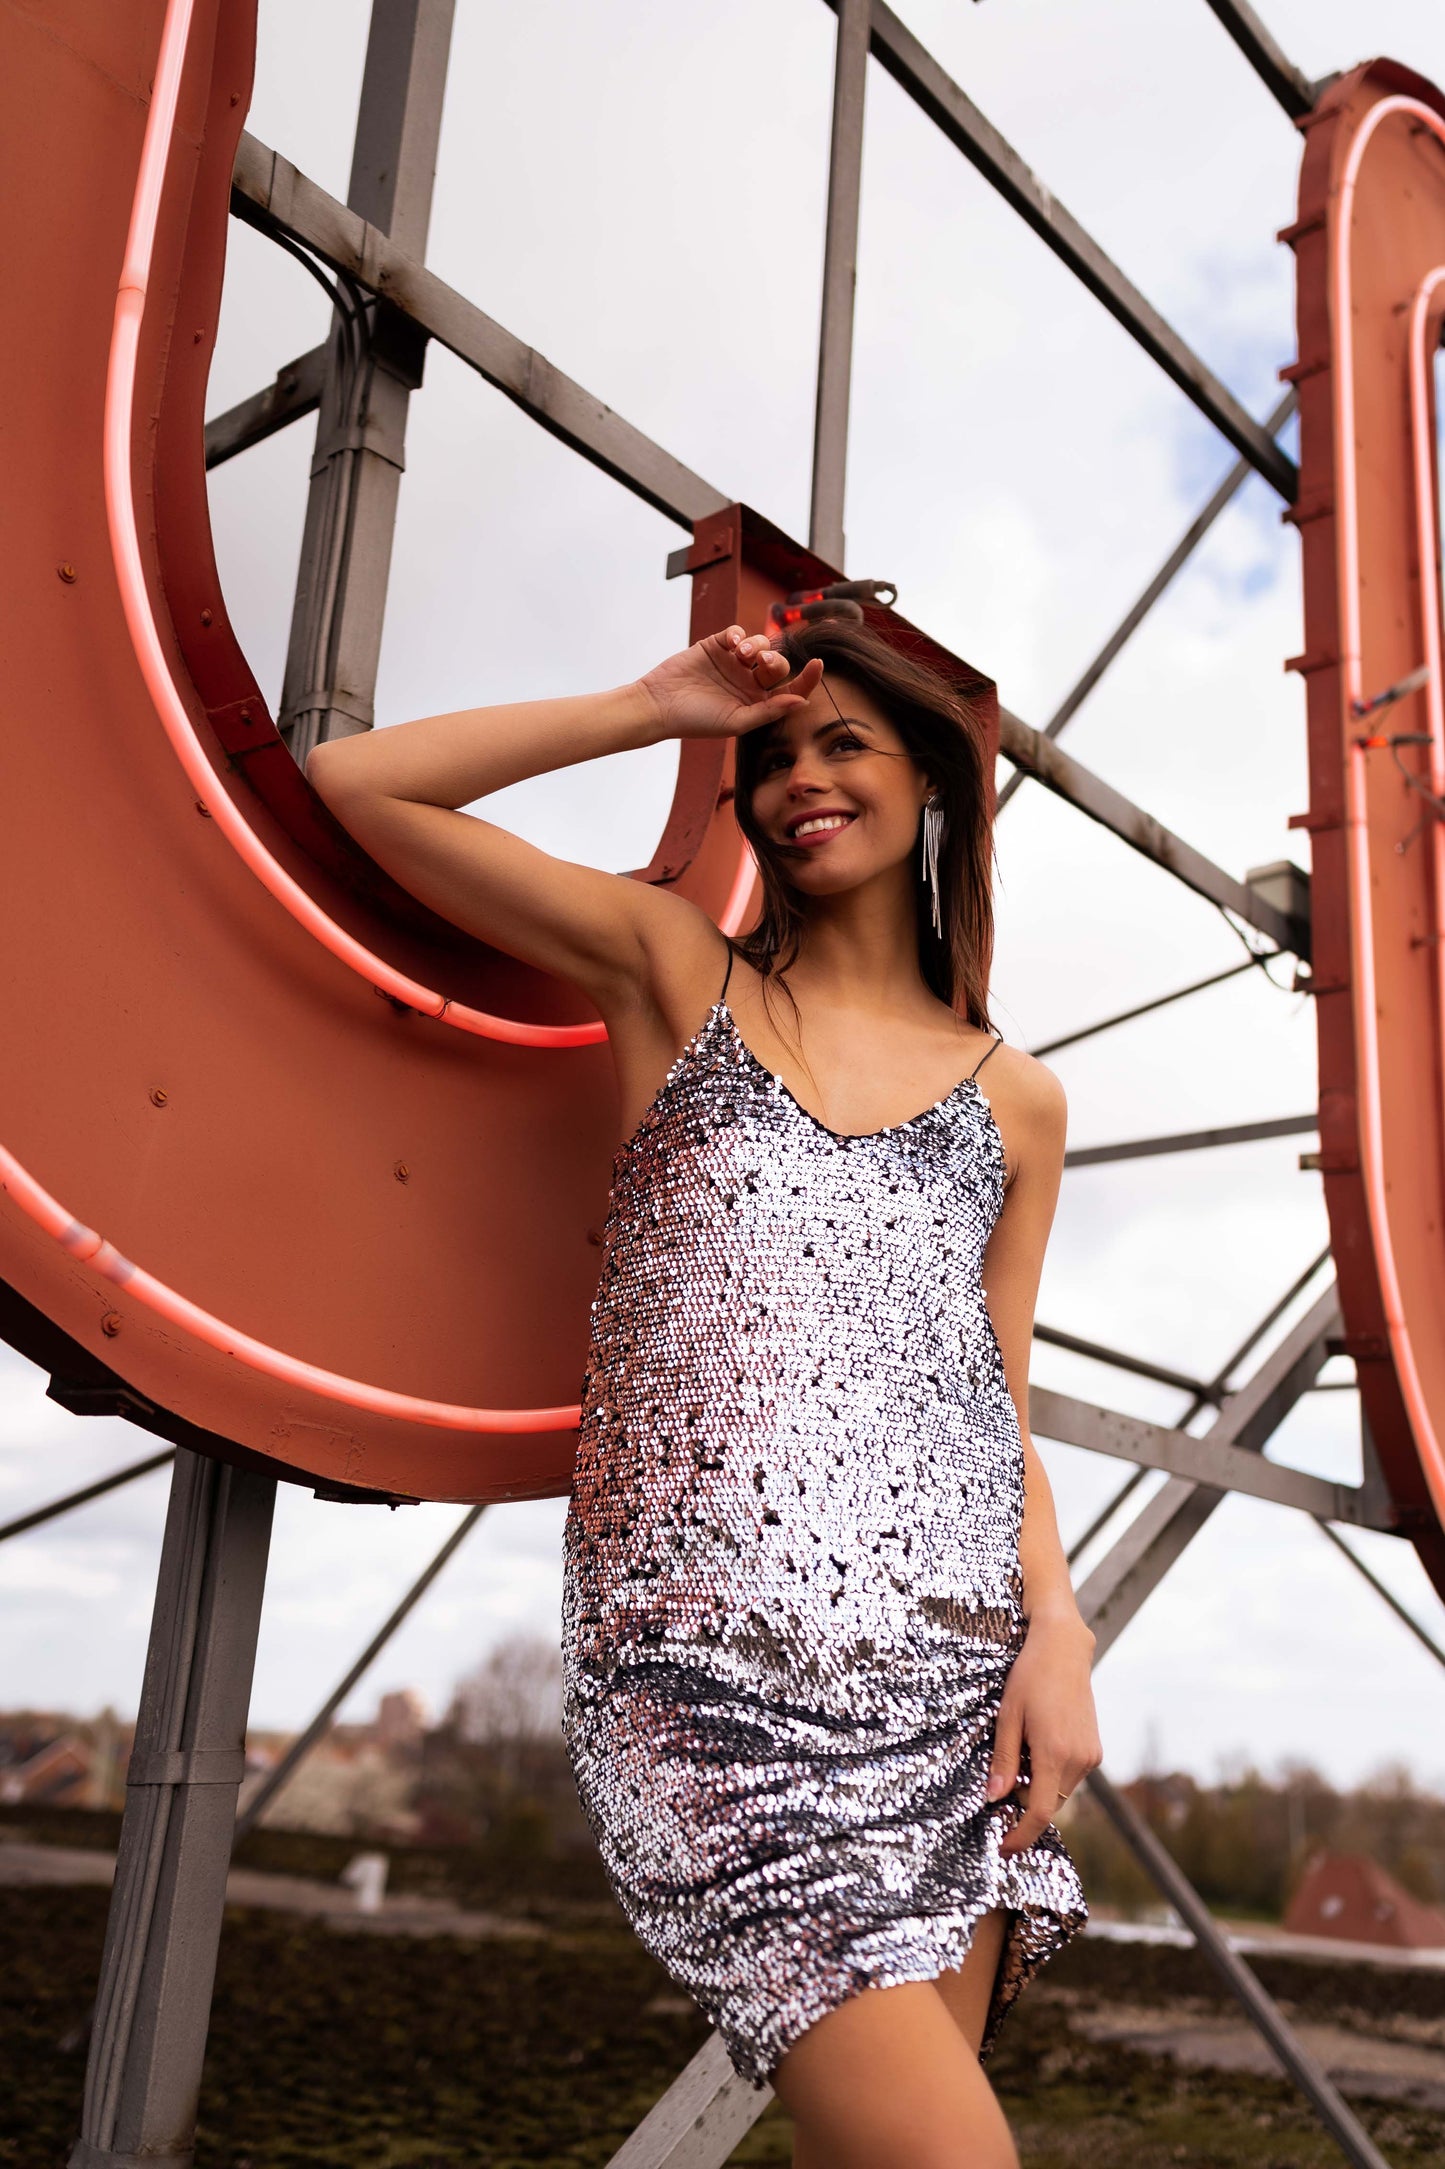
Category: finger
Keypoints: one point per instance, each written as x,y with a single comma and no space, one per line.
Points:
1026,1832
1003,1773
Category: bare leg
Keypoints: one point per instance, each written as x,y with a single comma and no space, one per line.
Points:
967,1990
887,2081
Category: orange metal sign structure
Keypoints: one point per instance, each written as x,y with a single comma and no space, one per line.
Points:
244,1198
1370,249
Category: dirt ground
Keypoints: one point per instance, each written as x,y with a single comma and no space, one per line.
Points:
418,2050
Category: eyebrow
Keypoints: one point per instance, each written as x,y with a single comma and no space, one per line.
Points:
768,735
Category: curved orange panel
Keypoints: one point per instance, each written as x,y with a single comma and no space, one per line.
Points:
1370,244
187,1069
242,1199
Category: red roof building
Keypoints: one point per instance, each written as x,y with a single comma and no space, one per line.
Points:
1350,1897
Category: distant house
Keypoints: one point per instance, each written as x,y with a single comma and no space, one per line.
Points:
1350,1897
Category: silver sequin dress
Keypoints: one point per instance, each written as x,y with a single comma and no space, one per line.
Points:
791,1589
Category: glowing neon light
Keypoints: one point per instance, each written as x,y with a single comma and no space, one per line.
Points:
1362,956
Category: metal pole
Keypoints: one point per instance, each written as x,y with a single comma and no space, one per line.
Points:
840,268
148,2039
1264,2013
1216,1386
1141,1009
86,1493
302,1745
1380,1590
374,364
1289,85
1132,619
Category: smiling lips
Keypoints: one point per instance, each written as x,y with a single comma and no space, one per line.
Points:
813,829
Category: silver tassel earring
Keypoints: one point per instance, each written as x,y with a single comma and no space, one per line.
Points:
932,838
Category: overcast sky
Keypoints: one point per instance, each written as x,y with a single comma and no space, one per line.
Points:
638,190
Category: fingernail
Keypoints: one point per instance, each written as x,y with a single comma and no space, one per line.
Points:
997,1785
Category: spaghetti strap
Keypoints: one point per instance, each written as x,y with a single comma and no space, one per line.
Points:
722,995
978,1065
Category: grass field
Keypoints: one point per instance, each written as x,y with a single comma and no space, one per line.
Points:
361,2051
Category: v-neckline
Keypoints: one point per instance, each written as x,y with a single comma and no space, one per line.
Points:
863,1137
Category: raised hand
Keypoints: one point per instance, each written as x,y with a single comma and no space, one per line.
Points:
731,682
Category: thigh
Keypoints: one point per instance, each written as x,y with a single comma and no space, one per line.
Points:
886,2081
967,1990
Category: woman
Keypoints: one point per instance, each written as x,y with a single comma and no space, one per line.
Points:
826,1683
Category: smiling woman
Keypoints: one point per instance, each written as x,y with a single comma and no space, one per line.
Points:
825,1681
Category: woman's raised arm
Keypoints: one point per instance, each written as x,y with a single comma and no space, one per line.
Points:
399,792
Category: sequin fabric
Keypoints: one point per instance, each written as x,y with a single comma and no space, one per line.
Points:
791,1590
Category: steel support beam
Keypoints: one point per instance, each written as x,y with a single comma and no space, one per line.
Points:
84,1495
1134,1566
259,1800
270,193
1133,618
1288,85
1144,1009
1207,1460
372,368
1029,748
148,2039
1406,1618
916,71
1234,1133
274,194
1136,1366
840,272
1260,2007
1216,1391
296,391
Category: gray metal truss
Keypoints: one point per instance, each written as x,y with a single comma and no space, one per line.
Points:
840,270
1287,84
1163,579
373,364
275,195
935,93
296,391
148,2037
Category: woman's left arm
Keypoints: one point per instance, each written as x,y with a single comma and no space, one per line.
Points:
1048,1703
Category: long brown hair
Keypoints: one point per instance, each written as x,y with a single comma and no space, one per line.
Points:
942,731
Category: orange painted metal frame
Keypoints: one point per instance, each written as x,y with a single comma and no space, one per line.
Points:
1370,241
321,1172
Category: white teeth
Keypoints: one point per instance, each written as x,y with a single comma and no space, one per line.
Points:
831,820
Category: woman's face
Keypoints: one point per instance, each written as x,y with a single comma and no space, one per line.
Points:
839,801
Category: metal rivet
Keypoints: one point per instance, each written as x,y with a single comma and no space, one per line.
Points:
247,717
402,1172
68,573
205,617
110,1324
159,1096
197,337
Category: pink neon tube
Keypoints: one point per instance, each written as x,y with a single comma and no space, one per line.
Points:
1367,1042
80,1241
1427,520
140,619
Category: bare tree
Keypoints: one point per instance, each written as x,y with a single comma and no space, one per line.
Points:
513,1697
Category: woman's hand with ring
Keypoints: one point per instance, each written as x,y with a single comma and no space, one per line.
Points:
1048,1707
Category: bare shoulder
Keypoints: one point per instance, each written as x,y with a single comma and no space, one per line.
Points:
1031,1106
